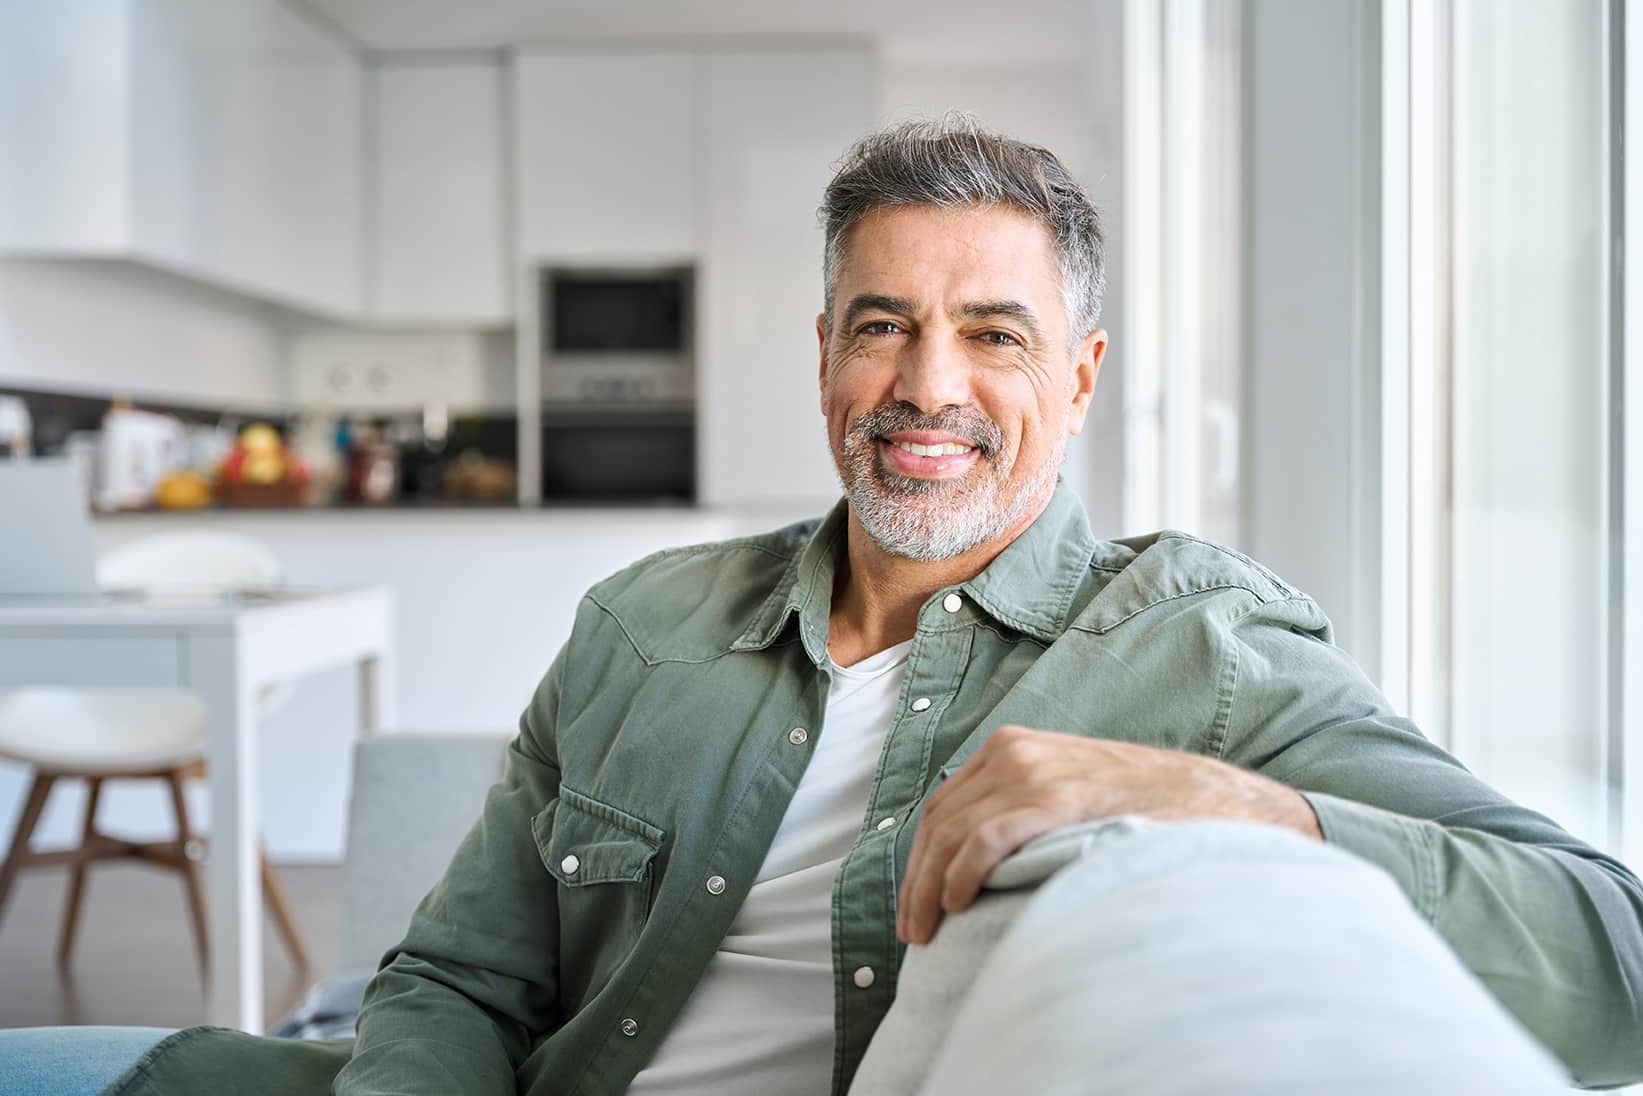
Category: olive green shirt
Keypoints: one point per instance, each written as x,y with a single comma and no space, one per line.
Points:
667,738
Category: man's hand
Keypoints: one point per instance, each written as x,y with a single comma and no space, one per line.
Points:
1023,783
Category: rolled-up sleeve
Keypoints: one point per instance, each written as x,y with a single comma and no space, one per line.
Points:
1553,927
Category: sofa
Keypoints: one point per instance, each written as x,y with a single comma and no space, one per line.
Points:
413,798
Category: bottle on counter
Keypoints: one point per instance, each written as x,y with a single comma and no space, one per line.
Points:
373,467
315,441
16,428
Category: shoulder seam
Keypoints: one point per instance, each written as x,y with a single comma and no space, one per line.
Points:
1075,626
634,643
650,661
1259,568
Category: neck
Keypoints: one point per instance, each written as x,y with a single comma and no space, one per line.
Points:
877,596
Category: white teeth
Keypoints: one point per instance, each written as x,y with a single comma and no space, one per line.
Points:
946,449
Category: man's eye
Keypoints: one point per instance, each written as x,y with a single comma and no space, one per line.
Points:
880,327
1000,338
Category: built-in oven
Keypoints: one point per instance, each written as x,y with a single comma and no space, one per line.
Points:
618,454
618,382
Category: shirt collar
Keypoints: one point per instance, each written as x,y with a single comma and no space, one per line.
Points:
1027,587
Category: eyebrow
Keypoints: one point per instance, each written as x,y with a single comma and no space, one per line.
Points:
877,302
973,310
1014,310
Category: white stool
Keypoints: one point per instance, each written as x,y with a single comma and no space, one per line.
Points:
115,734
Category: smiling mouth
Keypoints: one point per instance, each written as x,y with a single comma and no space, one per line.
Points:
946,449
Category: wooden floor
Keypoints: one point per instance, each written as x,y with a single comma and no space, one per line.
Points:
134,962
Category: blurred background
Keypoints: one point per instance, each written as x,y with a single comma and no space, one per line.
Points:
342,277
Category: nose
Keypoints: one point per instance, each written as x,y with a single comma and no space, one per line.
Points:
933,372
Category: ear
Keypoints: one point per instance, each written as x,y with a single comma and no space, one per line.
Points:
821,345
1086,367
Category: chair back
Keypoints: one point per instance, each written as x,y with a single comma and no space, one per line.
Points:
191,560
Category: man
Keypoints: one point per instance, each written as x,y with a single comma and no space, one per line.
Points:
763,774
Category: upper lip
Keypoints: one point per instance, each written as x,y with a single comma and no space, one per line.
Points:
928,437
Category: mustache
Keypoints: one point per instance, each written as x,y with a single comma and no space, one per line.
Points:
972,426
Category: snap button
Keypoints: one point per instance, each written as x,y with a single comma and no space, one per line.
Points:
886,823
715,884
863,977
569,864
798,736
630,1027
952,603
921,704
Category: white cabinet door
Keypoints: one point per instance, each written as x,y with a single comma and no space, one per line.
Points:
606,147
776,122
64,71
247,145
221,141
438,249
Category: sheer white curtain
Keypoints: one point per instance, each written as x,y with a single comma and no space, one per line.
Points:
1527,489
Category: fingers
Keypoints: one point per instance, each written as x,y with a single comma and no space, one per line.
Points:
958,853
1021,783
986,847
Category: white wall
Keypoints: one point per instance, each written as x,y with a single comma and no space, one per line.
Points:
107,327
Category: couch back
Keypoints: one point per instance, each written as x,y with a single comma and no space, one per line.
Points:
414,798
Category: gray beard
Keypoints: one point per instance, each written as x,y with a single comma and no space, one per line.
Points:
929,520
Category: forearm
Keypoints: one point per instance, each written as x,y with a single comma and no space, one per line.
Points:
418,1034
1556,935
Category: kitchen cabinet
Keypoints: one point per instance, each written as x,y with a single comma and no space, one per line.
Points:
64,178
718,158
776,121
607,154
439,252
219,141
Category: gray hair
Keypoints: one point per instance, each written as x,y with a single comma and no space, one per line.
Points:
954,162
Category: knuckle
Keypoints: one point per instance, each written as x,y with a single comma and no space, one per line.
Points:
1019,752
991,838
1061,801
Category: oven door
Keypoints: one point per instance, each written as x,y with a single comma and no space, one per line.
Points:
619,454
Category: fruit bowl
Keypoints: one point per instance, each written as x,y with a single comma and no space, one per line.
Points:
285,493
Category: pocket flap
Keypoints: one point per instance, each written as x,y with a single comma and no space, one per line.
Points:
583,841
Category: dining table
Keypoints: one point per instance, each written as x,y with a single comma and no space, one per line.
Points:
227,648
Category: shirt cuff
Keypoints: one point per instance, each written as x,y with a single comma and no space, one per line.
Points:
1400,845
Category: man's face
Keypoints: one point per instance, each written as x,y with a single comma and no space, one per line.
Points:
947,381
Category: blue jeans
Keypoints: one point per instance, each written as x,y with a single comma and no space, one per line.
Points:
69,1061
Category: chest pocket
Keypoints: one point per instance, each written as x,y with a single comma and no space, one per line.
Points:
584,842
601,857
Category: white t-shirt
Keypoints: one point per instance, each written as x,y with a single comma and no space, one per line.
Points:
761,1019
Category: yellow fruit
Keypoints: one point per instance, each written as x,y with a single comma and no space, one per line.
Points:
263,467
261,438
182,491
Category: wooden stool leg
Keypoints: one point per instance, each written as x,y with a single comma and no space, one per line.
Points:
190,869
77,875
33,806
274,895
